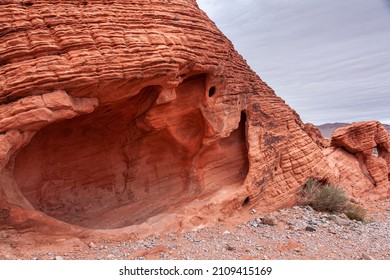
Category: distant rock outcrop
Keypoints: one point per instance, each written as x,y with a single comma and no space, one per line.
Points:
140,115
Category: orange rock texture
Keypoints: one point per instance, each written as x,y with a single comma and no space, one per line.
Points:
369,142
139,116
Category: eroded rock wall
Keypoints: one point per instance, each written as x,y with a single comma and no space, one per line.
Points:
139,115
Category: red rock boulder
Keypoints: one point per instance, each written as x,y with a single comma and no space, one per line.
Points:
370,143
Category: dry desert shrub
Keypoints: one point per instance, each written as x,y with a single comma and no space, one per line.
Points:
326,197
355,212
323,197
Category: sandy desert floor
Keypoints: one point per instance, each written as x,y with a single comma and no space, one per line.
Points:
294,233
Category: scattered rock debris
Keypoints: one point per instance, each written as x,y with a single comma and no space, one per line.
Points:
293,233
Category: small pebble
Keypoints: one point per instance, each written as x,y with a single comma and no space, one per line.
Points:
367,257
310,229
230,248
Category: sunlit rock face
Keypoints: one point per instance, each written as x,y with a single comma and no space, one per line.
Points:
140,116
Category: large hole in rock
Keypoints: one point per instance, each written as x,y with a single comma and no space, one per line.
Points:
226,163
128,161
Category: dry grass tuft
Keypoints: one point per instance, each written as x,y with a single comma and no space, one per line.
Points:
329,198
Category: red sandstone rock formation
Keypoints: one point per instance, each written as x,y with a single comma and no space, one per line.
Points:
316,136
140,115
369,142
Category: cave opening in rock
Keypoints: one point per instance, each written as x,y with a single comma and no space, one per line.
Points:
78,170
130,160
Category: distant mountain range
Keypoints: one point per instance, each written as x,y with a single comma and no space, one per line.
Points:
328,128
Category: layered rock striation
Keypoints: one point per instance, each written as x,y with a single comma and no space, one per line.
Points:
140,116
369,142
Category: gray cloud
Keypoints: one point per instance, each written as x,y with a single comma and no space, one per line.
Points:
330,60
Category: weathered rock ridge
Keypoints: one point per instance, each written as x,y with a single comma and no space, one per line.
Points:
369,142
140,116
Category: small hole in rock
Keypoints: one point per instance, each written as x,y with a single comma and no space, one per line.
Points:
27,4
246,201
375,152
212,91
4,213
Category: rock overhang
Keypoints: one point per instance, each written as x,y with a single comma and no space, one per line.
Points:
135,158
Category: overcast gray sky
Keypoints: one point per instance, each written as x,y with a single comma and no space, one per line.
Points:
330,60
